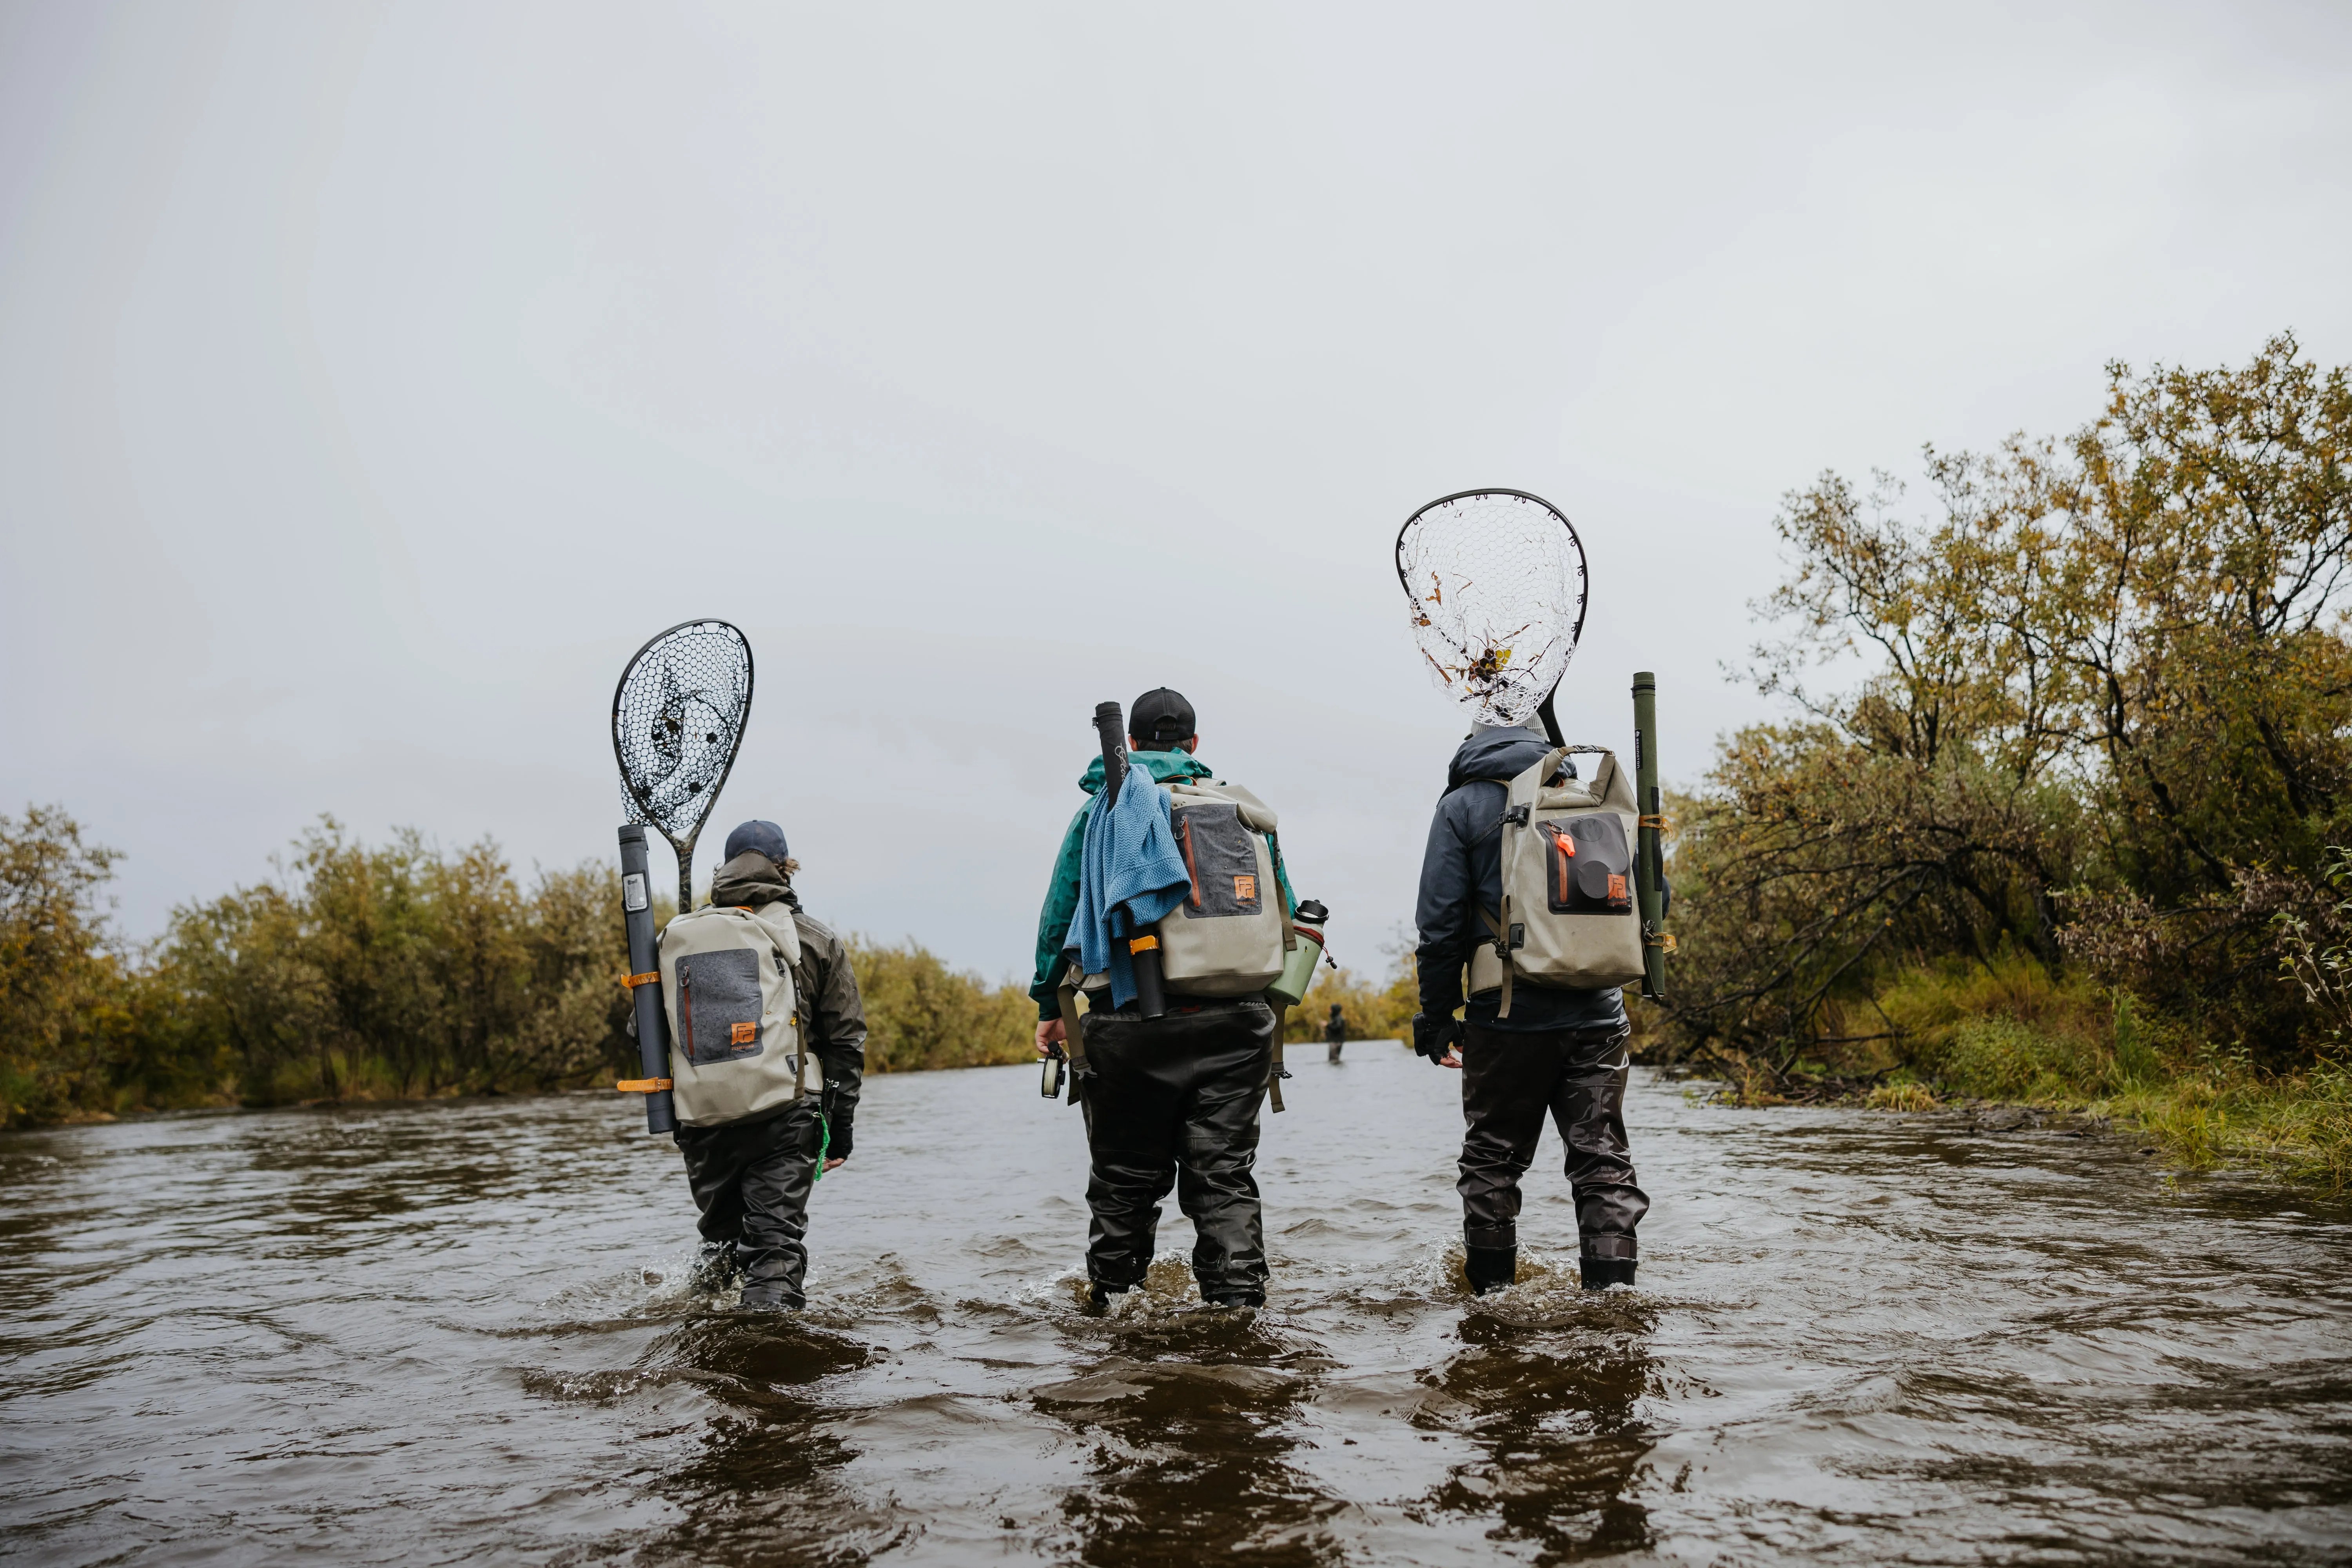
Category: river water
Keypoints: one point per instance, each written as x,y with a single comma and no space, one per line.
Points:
458,1334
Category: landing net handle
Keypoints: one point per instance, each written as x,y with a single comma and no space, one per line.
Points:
646,994
1151,991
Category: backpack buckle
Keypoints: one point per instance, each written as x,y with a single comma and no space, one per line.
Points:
1516,815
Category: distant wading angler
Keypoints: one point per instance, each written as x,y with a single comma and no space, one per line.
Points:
1176,888
770,1051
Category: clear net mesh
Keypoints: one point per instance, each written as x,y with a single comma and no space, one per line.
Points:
677,720
1496,583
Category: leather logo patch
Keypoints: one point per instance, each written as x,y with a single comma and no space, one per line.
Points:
1245,889
744,1034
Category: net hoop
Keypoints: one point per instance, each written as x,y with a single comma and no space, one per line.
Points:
674,793
1502,647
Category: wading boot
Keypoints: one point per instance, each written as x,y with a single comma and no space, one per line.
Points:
1234,1297
1098,1294
768,1299
1599,1273
1490,1269
714,1268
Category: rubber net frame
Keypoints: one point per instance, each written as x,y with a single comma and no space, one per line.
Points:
1496,583
678,716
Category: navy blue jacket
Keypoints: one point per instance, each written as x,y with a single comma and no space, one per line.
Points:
1462,873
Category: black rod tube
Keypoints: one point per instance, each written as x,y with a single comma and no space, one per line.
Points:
1648,850
652,1021
1150,992
1111,730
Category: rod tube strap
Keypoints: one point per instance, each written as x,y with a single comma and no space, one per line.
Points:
651,977
642,1085
1275,1071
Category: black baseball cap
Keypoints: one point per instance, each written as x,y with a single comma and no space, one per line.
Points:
1160,720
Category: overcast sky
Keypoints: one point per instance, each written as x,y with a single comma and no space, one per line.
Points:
374,379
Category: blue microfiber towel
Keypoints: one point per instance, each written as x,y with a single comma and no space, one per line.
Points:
1130,873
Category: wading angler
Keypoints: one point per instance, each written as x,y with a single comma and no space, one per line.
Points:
1539,899
1170,910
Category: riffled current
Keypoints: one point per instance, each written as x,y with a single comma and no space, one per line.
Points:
459,1332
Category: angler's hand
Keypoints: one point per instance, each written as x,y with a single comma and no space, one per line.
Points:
1437,1038
837,1165
1051,1037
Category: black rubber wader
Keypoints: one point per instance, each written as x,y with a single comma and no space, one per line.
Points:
751,1180
1173,1103
1509,1080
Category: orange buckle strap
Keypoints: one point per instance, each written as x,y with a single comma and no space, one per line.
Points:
1661,822
1143,944
632,982
1663,939
642,1085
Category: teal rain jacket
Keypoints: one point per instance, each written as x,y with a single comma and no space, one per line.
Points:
1062,892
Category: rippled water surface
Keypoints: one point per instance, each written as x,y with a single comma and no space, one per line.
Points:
420,1334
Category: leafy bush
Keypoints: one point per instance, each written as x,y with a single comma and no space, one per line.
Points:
79,1017
360,971
2103,726
920,1014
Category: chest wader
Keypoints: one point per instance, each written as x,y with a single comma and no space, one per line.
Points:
1073,1041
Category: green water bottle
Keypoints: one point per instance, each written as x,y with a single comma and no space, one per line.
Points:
1298,968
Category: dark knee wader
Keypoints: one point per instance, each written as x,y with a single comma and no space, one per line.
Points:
1173,1103
751,1180
1509,1080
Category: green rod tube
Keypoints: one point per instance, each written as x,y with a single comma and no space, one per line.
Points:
1648,864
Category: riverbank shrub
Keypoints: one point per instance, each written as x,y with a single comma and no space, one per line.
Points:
2053,810
921,1015
79,1015
359,972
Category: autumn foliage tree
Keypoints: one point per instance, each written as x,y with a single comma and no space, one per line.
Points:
2091,707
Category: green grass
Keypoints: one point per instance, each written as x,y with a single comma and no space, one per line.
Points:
2011,1032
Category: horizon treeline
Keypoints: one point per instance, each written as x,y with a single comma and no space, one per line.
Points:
358,971
2069,748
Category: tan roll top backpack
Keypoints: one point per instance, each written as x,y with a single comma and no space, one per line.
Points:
734,1018
1231,935
1569,916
